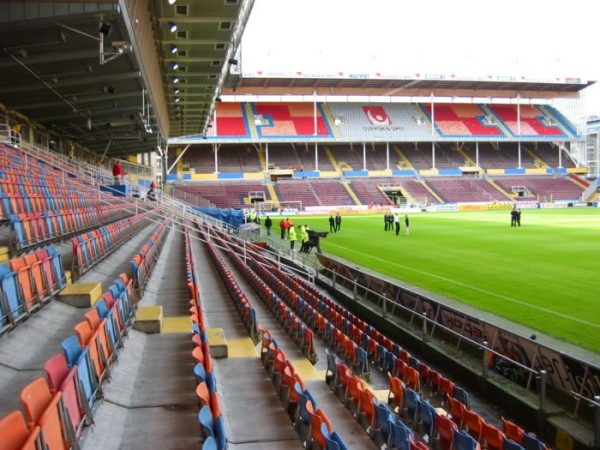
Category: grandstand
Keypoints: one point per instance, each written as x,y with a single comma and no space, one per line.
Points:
129,323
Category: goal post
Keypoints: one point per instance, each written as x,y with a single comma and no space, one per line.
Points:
269,207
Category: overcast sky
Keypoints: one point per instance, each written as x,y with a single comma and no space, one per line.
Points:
532,38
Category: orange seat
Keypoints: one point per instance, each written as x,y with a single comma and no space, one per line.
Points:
84,332
473,423
52,426
203,394
446,387
93,318
396,393
512,431
493,437
456,409
367,407
36,397
318,418
412,379
15,434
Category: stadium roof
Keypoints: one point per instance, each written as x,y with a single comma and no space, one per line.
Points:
417,85
103,75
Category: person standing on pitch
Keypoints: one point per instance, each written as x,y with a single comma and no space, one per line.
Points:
338,222
406,223
397,223
331,224
268,225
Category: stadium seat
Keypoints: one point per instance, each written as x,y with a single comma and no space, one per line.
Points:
16,435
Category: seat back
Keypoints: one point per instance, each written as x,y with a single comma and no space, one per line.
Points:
36,396
13,430
462,440
56,370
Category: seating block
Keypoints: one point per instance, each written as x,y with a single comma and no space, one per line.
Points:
149,319
217,343
4,254
81,295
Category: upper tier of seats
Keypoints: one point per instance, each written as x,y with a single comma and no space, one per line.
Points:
408,122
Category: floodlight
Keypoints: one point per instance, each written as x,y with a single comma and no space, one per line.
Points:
175,80
172,27
173,48
175,66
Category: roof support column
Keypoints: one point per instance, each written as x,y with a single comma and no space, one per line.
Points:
432,133
364,156
387,156
316,156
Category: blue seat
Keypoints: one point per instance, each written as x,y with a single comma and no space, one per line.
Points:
71,349
206,422
58,267
303,416
332,363
531,442
88,378
18,232
362,362
461,395
14,307
335,442
209,443
380,357
411,400
427,417
113,330
400,436
509,444
414,362
211,382
102,308
220,433
200,372
462,440
390,362
384,417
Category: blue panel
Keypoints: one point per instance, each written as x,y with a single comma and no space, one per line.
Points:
357,173
172,177
230,176
558,170
187,176
307,174
514,171
403,173
446,172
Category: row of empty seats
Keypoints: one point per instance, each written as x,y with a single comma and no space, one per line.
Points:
311,421
27,283
144,261
29,230
210,416
92,247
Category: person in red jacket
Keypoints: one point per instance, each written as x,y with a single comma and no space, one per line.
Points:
117,171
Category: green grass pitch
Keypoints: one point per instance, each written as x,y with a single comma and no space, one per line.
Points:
545,274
